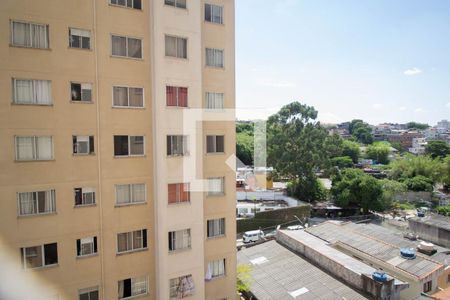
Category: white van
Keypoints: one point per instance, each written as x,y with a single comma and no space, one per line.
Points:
252,236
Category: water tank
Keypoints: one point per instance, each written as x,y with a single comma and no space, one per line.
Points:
408,253
379,276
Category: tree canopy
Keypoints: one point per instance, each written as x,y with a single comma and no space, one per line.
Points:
351,149
416,125
437,149
245,142
379,151
361,131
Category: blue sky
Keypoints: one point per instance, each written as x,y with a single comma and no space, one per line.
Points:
379,60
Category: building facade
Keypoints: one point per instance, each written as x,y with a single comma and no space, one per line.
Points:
106,192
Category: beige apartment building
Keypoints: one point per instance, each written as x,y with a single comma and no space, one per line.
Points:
116,129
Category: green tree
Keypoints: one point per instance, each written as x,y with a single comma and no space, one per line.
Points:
244,277
244,148
415,125
351,149
334,145
444,176
379,152
361,131
419,183
296,147
352,187
411,166
391,188
342,162
437,149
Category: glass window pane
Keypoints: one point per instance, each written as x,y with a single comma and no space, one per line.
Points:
136,97
75,91
25,148
120,96
134,48
220,144
171,46
39,36
136,145
42,90
33,257
122,242
24,91
181,3
119,45
123,194
51,254
138,192
181,48
44,148
21,34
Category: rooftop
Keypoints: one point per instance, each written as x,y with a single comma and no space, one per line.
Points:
434,220
376,244
279,273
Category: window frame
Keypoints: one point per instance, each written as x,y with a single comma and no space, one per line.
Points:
215,136
184,143
128,97
81,41
33,83
34,149
175,4
47,34
220,225
81,92
176,46
132,249
130,194
129,148
36,203
215,95
24,256
76,146
174,287
94,245
180,188
215,66
93,191
126,46
427,286
216,194
211,12
133,281
126,6
218,261
172,237
88,291
177,96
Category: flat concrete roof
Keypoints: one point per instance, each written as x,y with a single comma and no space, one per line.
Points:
369,244
279,273
434,220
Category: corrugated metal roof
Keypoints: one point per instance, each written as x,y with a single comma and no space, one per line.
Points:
435,220
285,273
375,243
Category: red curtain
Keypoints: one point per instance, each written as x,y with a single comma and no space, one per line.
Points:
171,96
182,97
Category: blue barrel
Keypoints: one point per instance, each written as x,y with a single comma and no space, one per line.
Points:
408,253
379,276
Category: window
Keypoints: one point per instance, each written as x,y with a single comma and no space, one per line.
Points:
29,91
39,256
216,186
176,46
178,192
176,96
182,287
79,38
34,147
215,227
214,13
131,241
126,46
128,96
81,92
136,4
180,239
176,3
130,193
214,58
36,203
214,100
427,286
125,145
88,294
216,268
132,287
84,196
215,144
177,145
83,144
30,35
87,246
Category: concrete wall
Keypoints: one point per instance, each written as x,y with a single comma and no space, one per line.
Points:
439,236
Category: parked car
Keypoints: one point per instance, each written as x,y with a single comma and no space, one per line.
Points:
252,236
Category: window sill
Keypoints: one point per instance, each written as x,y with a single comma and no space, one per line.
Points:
31,104
180,251
87,256
121,6
216,195
176,107
217,278
127,57
214,153
84,205
26,47
83,154
128,107
178,155
177,7
129,156
184,203
210,238
175,58
131,251
36,215
215,68
33,160
130,204
81,102
43,267
135,296
214,23
84,49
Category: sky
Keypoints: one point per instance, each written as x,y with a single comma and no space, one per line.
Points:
377,60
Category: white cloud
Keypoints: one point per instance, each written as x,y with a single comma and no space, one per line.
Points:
376,105
330,118
448,105
402,108
412,72
276,83
419,109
